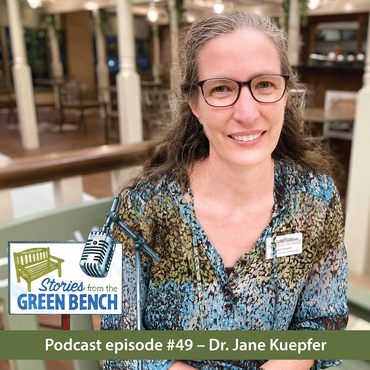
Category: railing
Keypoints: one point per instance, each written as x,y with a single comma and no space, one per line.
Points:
66,168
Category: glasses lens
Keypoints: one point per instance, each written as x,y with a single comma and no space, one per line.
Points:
268,89
220,92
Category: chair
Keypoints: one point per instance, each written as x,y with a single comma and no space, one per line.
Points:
70,98
110,102
341,101
156,109
298,97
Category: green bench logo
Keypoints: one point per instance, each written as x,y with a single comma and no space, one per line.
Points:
34,263
35,287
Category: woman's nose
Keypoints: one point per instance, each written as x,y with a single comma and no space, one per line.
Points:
246,107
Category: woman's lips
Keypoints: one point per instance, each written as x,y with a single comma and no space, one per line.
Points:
247,139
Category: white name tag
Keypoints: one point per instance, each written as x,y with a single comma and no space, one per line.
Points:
286,245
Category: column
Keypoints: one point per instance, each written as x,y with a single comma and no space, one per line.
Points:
293,32
6,207
357,235
22,80
56,63
68,191
128,80
102,70
174,29
156,54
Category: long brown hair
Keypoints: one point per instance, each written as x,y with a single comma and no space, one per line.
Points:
185,142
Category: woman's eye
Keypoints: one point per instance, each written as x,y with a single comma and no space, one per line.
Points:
264,84
221,89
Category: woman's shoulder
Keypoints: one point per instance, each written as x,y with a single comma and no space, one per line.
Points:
300,179
147,191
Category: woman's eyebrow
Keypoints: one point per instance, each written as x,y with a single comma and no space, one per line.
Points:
258,74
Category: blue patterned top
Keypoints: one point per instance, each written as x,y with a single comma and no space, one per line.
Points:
190,289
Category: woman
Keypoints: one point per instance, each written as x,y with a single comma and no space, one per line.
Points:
233,177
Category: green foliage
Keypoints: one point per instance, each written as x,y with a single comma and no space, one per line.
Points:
103,19
303,12
22,4
49,20
179,5
180,12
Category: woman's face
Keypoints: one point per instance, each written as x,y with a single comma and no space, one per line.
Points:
246,133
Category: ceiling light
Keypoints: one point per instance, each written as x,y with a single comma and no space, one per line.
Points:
152,14
313,4
218,7
34,3
90,5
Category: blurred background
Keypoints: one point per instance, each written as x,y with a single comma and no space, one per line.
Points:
86,88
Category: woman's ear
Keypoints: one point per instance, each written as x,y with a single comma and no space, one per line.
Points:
194,108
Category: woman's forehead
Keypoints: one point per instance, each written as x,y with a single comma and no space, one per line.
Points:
237,53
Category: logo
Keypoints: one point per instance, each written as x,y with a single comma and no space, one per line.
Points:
45,278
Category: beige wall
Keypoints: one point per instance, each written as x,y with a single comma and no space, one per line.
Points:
80,49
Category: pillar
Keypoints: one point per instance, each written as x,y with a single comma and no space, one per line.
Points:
174,29
22,80
102,70
293,32
156,54
127,79
6,208
68,191
357,235
56,63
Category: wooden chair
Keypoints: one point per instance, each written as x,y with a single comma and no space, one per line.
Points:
156,112
156,108
70,98
342,101
110,102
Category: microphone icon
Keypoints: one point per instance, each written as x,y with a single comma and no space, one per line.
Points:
98,253
99,249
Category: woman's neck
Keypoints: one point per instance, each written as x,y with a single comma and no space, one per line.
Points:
233,185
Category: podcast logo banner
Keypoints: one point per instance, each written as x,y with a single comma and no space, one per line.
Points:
46,278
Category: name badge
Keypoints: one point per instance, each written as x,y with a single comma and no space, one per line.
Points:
286,245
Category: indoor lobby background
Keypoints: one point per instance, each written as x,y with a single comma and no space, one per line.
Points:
86,86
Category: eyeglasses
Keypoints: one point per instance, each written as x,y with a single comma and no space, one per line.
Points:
224,92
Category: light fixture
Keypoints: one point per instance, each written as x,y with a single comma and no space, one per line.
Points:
189,17
34,3
313,4
90,5
152,14
218,7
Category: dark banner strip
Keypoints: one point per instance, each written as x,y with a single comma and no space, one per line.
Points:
181,345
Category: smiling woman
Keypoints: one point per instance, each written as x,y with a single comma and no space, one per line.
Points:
237,202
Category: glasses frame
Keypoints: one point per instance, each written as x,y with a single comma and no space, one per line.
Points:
241,84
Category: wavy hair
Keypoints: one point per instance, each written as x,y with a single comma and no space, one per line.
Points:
185,143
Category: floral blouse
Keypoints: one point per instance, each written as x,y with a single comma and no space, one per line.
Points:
189,289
